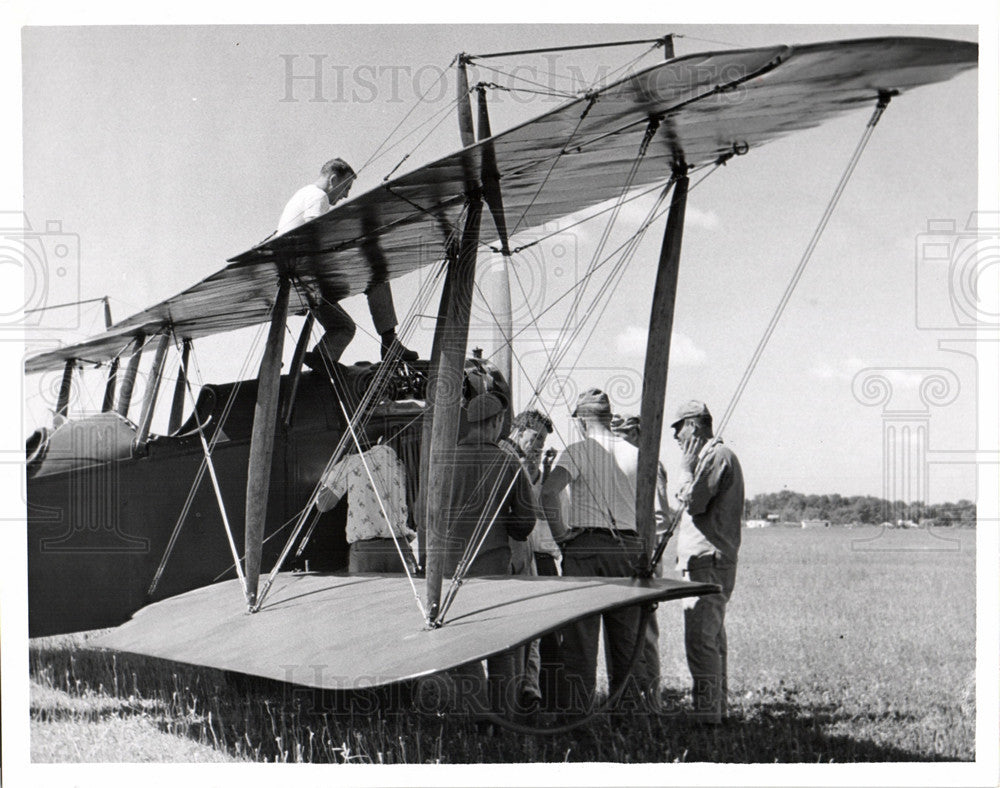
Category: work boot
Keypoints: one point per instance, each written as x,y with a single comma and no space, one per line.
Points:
401,353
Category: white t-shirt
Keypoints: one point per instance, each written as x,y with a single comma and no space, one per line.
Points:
540,538
307,203
603,469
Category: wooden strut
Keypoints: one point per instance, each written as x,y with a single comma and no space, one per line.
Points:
262,443
65,389
296,372
424,507
177,403
444,387
109,388
500,304
128,383
654,382
152,389
446,401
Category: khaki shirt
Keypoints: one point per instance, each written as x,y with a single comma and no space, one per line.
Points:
715,505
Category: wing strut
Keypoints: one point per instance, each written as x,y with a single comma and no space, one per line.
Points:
500,282
109,388
444,384
262,441
65,389
654,379
128,384
177,403
445,395
152,390
300,353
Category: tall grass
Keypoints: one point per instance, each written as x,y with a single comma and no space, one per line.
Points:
840,650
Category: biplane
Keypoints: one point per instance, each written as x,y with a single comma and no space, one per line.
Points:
137,530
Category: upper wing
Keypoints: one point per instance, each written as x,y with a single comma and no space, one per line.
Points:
307,633
579,154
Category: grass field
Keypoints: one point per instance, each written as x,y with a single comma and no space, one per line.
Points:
845,645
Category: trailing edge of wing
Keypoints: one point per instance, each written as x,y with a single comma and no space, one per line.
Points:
352,632
576,156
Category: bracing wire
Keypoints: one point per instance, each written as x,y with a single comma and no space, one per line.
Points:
203,467
866,136
362,412
385,514
838,191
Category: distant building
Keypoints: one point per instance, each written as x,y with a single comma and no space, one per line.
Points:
815,523
757,523
773,517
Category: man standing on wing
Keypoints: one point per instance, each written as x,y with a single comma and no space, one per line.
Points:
332,186
707,548
600,471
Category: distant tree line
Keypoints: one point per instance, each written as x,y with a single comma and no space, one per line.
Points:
839,510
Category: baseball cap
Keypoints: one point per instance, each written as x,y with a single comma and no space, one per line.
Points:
483,407
690,410
592,402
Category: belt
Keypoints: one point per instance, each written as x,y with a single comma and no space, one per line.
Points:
709,559
608,532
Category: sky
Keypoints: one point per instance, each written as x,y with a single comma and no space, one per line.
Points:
162,151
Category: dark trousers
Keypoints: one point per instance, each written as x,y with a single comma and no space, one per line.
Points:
380,555
705,635
550,645
598,554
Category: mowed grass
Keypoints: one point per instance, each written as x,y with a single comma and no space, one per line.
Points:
845,645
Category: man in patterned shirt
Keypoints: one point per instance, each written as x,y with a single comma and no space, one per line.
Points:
378,535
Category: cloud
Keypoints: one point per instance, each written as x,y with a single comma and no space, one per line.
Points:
633,213
842,369
683,351
695,217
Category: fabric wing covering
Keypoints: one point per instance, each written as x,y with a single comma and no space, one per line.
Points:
557,164
340,632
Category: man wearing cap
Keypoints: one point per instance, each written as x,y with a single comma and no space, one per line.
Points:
628,428
488,485
529,430
707,548
601,540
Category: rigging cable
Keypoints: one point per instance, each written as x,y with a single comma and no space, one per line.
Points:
374,392
203,467
479,533
399,125
207,453
884,97
385,514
